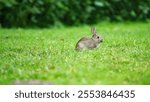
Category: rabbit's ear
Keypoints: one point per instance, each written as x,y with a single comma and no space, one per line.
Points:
93,30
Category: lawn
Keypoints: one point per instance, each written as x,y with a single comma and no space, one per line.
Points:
48,54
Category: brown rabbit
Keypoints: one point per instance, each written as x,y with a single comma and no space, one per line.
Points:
89,43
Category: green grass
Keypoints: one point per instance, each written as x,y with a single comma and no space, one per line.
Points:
48,54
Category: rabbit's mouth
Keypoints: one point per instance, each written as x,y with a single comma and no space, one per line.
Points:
101,40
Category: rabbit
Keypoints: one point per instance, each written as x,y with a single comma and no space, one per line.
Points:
89,43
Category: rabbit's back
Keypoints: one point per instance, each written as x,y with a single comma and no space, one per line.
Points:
86,43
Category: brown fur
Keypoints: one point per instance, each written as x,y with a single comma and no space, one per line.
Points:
89,43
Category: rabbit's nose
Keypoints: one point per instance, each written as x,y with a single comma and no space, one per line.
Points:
101,40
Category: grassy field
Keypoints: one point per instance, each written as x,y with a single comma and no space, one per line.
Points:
48,54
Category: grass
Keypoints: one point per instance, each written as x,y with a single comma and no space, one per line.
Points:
48,54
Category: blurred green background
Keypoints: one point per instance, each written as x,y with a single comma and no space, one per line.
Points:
46,13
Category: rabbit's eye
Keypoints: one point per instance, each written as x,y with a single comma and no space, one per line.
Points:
98,37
